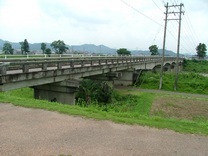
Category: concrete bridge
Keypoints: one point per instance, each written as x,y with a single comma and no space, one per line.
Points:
57,79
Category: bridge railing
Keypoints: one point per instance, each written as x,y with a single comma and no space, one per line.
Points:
33,65
39,56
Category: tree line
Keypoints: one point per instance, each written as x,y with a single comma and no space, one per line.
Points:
60,47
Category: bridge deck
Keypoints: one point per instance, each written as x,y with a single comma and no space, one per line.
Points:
17,73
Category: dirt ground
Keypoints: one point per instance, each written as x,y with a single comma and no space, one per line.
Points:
182,108
32,132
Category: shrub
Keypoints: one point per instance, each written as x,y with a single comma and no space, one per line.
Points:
93,90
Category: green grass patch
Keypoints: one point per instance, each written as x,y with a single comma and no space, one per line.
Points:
134,109
134,101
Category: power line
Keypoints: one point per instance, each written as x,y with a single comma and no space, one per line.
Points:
168,30
156,35
191,26
175,37
173,26
146,15
187,42
157,6
140,12
163,26
163,2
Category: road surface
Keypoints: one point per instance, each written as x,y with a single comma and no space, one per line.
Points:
32,132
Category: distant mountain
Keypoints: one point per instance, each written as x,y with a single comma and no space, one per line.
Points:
86,48
91,48
147,52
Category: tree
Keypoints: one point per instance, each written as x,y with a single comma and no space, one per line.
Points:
43,47
201,50
7,48
48,51
154,50
104,92
123,51
86,90
59,47
24,47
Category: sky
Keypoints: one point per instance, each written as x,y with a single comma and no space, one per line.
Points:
131,24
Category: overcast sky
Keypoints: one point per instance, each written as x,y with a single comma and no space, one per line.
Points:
132,24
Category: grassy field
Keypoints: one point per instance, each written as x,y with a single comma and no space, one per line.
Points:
129,106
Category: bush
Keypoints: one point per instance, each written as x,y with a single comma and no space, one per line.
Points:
94,91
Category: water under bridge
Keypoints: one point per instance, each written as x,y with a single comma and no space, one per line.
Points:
58,78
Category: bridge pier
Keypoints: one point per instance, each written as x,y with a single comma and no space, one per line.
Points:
180,67
125,78
63,92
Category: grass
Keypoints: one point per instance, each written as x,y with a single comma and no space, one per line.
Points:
196,66
119,112
187,82
190,81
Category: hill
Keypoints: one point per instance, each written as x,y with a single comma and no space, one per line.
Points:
147,52
91,48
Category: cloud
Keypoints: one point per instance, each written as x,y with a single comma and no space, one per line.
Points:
109,22
74,12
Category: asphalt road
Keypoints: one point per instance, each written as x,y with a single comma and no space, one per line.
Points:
32,132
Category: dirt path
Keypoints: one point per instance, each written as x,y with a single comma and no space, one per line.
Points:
31,132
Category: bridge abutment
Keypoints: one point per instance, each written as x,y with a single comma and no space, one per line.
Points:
63,92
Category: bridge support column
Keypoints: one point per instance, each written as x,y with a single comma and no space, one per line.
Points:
180,67
56,92
167,68
172,68
125,79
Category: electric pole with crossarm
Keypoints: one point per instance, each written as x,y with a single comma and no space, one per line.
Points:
180,12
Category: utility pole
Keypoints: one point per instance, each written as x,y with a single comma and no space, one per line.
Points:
164,40
178,48
163,52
